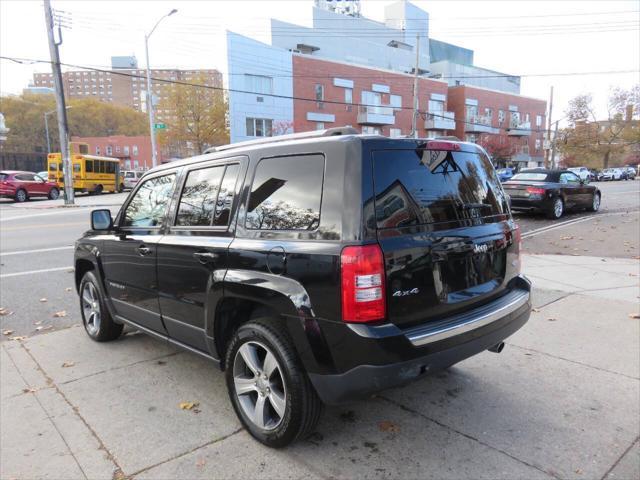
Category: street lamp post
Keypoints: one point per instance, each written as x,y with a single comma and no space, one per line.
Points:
154,160
46,127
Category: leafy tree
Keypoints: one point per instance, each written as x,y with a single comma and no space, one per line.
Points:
198,119
24,115
597,142
500,147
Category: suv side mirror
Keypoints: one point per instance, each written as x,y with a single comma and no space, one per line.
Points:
101,220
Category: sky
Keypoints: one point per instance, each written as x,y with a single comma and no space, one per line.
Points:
538,38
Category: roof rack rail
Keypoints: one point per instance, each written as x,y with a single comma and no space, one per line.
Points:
329,132
451,138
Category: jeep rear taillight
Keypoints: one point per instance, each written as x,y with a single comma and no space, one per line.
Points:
536,190
363,279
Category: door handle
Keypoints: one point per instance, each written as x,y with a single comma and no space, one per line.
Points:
144,250
205,257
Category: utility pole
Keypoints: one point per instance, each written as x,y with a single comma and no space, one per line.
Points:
67,168
553,145
414,121
547,134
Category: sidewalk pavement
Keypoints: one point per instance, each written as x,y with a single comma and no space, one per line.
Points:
561,401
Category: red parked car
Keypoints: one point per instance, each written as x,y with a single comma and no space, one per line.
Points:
23,185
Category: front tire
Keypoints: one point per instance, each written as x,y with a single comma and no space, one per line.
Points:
96,318
268,387
54,193
556,210
595,203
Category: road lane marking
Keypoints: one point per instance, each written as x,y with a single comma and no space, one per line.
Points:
33,272
48,214
623,193
38,250
45,225
568,223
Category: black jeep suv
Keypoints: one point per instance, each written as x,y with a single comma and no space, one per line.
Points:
312,268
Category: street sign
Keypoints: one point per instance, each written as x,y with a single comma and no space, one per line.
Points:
159,126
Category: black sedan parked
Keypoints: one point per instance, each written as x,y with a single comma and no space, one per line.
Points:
551,192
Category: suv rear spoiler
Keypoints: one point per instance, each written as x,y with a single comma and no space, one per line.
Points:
329,132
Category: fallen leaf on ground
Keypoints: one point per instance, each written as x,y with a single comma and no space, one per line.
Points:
387,426
28,390
17,338
61,313
4,311
43,300
188,405
634,315
71,270
68,289
68,364
578,471
200,463
551,319
7,332
48,327
567,237
535,309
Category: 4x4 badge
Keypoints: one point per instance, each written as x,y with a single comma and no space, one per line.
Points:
404,293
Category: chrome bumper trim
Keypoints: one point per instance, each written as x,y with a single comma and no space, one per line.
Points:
468,321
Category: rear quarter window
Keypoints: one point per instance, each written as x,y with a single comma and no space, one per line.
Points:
286,193
429,186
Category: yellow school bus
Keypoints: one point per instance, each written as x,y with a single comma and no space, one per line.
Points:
91,173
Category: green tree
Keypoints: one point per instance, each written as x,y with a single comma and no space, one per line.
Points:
24,115
198,118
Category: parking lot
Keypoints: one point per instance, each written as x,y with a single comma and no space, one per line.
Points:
561,401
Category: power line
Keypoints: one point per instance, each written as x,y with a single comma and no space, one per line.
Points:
271,95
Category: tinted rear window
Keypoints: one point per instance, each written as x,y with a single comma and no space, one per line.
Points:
426,186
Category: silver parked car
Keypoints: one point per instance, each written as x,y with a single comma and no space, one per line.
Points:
130,178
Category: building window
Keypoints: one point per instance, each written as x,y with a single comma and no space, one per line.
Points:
259,127
471,137
319,92
538,120
500,117
368,130
126,149
109,150
258,84
395,101
348,95
395,132
527,118
127,164
515,119
436,106
117,148
488,112
319,126
97,150
538,143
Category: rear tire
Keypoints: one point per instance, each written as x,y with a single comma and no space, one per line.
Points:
54,193
278,388
96,318
98,189
21,195
556,210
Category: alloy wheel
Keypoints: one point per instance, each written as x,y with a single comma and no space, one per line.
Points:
21,195
557,208
259,385
91,308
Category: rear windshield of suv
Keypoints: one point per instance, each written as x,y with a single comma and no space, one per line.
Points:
427,186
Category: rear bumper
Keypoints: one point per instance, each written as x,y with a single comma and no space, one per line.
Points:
444,343
536,204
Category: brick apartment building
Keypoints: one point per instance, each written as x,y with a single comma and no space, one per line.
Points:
385,99
124,86
308,78
515,119
134,152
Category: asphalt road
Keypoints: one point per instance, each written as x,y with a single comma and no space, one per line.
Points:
36,250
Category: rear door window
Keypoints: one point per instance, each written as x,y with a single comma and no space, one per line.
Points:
199,196
286,193
429,186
